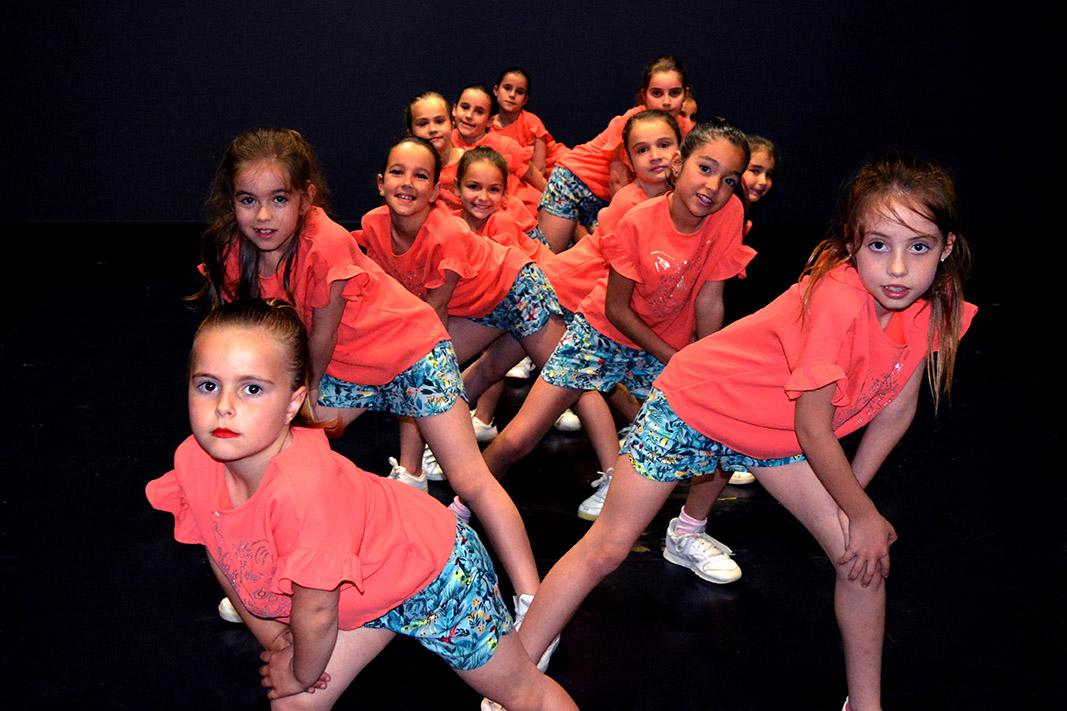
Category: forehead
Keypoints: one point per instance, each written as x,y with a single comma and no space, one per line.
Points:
892,216
484,171
475,98
430,107
515,79
238,348
665,80
263,174
727,155
410,153
761,159
651,130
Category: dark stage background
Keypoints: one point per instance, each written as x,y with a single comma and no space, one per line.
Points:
115,117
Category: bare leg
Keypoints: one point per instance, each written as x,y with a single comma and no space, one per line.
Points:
860,610
511,679
491,366
353,650
624,403
632,502
598,423
542,406
703,492
341,416
486,407
411,445
451,438
557,230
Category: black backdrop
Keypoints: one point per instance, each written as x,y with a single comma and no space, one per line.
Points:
119,111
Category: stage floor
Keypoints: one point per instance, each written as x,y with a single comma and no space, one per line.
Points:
106,611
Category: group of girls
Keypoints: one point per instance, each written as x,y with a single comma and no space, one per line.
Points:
326,563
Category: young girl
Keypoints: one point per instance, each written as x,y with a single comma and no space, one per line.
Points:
690,108
430,116
668,260
845,348
759,176
512,92
585,179
324,562
373,345
481,178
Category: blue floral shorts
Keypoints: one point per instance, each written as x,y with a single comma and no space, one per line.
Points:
429,387
537,234
527,306
586,359
662,447
568,197
460,616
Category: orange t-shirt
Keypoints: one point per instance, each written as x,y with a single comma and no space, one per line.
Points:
526,128
518,159
486,269
628,196
668,267
316,520
375,340
502,228
738,385
591,162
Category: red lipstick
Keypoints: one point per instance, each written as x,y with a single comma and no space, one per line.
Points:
223,433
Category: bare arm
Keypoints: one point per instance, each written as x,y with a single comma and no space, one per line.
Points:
540,155
869,534
271,634
323,336
623,317
313,623
535,177
709,308
439,297
619,176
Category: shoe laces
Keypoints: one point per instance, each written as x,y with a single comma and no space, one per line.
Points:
603,480
709,546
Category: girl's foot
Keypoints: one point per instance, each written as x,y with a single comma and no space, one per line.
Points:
483,432
741,477
402,475
591,507
523,370
568,422
430,468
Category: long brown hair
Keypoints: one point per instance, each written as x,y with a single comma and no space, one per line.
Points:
285,146
928,189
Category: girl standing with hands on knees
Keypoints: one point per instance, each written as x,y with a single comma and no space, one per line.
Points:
847,347
374,345
323,561
585,179
668,259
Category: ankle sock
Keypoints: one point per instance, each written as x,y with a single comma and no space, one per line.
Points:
688,524
460,509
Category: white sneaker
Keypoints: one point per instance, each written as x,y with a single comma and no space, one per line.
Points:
741,478
522,604
483,432
430,468
523,370
229,613
591,507
702,554
402,475
623,434
568,422
488,705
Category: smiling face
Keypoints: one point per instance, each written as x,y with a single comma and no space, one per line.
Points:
267,208
665,92
241,398
481,191
705,183
759,176
512,93
408,184
652,148
472,114
430,120
896,254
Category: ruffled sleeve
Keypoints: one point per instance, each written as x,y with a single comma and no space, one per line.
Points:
165,494
812,377
732,264
618,249
322,570
449,247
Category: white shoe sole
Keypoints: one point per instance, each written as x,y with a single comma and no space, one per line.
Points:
683,562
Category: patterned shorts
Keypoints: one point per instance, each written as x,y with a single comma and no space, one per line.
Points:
538,235
568,197
527,306
460,615
662,447
429,387
586,359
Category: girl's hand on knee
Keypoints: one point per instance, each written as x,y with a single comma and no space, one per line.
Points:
867,546
279,677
